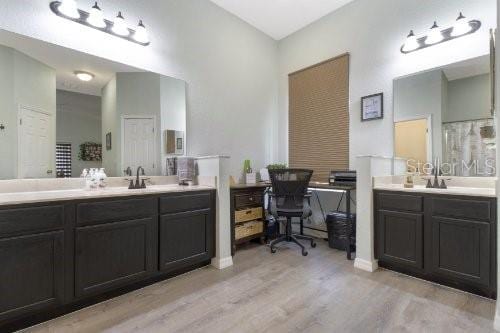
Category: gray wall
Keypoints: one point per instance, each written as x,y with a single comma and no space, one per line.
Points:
27,82
420,96
468,99
78,121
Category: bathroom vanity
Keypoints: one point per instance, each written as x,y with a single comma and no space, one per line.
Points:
445,237
61,254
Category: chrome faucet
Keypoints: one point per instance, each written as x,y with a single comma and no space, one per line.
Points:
138,184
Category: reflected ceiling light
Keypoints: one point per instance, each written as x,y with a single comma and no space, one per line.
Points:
141,34
411,43
84,76
96,17
461,26
69,8
436,36
119,26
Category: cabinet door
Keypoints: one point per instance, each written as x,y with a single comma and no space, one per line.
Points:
31,274
461,250
186,239
400,238
113,255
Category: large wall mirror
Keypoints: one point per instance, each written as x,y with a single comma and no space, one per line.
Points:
62,111
446,114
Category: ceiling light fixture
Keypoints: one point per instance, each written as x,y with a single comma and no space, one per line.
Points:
96,17
84,76
436,36
119,26
69,10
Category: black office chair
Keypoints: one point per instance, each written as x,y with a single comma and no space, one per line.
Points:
289,198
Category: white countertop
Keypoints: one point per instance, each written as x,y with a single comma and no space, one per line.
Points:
451,190
76,194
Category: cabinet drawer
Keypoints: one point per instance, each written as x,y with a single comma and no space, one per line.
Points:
32,220
248,229
400,202
112,211
184,202
248,214
248,199
473,209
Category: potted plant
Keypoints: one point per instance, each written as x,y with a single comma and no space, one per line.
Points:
250,176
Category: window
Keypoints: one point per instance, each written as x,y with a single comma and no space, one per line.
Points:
63,160
318,128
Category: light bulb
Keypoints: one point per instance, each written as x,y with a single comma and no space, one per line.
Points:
96,17
435,36
119,26
69,8
141,34
411,43
461,26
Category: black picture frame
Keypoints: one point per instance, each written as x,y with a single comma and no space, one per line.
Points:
380,111
108,141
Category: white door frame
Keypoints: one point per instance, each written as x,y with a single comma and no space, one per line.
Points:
21,107
428,135
122,148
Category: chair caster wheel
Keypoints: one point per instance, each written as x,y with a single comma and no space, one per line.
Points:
304,253
313,244
273,250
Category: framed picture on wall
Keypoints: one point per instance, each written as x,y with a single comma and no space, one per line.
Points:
372,107
108,141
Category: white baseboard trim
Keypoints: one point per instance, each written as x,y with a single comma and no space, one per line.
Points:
496,321
221,263
365,265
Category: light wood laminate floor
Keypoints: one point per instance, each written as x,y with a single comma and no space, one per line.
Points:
285,292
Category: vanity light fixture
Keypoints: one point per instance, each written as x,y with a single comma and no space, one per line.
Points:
84,76
436,36
119,26
96,17
69,10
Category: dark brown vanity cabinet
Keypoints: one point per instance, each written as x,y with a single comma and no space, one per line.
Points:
444,238
61,256
32,260
186,231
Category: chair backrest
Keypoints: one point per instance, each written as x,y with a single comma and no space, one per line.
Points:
290,187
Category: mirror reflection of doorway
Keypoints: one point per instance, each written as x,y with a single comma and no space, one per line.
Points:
139,144
412,141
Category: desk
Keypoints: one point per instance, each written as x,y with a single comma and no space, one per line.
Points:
347,190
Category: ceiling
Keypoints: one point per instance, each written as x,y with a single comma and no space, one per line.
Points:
280,18
468,68
66,62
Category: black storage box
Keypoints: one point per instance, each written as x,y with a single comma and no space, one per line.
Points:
336,223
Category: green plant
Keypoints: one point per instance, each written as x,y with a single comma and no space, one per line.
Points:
276,166
246,166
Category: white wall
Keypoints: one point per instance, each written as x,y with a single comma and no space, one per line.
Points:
78,121
373,32
109,125
229,66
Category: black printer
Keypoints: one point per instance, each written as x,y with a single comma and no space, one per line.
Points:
342,178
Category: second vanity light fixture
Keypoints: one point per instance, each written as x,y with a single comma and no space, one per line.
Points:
68,9
436,35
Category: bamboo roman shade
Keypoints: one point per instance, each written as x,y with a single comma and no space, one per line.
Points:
318,129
